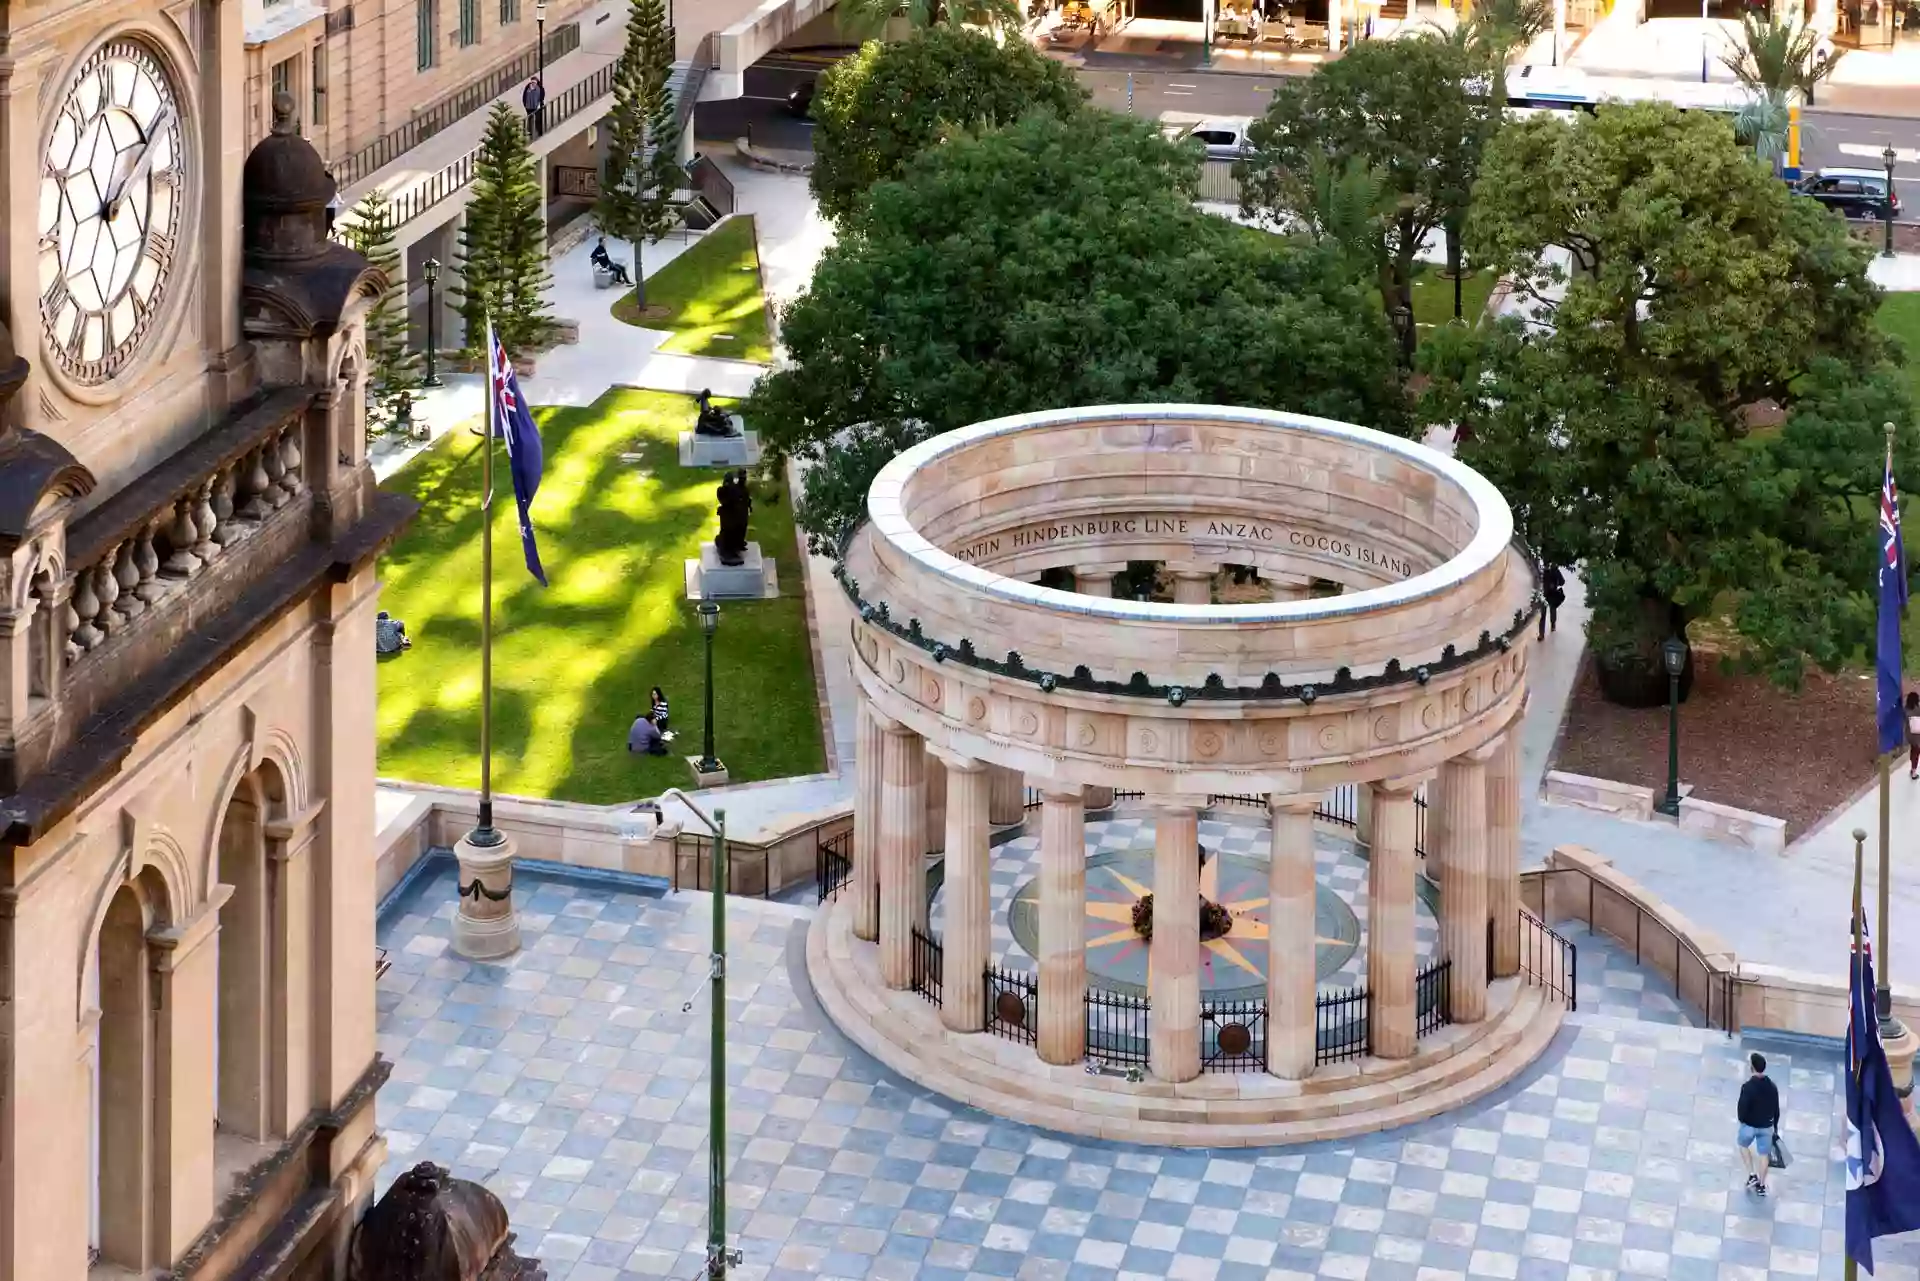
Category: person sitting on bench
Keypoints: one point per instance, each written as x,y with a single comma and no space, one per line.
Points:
604,261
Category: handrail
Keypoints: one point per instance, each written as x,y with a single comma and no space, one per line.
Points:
454,107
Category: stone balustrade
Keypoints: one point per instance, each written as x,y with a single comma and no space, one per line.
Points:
135,569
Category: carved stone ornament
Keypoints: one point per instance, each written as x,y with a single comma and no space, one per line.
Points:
431,1226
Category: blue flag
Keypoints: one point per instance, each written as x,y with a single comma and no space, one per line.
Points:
1893,603
1883,1154
513,422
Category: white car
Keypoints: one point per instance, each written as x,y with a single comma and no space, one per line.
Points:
1224,139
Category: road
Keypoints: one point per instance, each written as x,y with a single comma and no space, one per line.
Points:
1828,138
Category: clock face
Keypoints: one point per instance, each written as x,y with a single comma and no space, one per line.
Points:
111,190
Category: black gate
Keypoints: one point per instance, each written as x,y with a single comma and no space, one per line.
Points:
1233,1036
1116,1026
833,864
1013,1002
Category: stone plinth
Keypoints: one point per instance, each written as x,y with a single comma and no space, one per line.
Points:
705,778
486,926
742,450
752,579
1900,1051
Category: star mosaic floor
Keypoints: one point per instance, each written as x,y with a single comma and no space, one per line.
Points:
1016,864
571,1080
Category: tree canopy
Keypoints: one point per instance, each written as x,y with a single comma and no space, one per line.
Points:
1700,425
1055,262
1412,113
876,110
643,171
503,246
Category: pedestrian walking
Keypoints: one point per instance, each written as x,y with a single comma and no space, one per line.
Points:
534,99
1758,1112
1913,735
1553,586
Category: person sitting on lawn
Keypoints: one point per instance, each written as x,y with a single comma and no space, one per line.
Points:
390,634
645,736
604,261
657,711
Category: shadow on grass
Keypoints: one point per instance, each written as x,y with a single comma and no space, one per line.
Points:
579,657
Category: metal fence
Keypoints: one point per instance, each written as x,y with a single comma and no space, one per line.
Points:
1549,960
1012,1000
456,106
1228,798
928,958
693,865
1217,183
1432,990
1031,799
833,864
1340,805
1117,1026
1342,1025
1233,1036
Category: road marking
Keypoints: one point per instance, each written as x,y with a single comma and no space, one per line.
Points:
1906,155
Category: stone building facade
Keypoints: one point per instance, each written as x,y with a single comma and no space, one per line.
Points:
188,528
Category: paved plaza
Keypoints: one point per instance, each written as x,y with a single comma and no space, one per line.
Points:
571,1080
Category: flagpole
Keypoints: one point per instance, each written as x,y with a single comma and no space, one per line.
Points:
1852,1269
484,834
1890,1028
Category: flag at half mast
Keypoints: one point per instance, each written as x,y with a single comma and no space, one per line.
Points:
513,422
1883,1154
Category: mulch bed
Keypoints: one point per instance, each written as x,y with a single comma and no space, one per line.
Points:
1743,741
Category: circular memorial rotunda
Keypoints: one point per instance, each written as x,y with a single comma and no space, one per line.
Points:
1364,718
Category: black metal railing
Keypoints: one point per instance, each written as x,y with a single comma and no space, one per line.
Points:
1228,798
1031,799
928,958
833,864
416,200
1548,959
456,106
709,180
1013,1001
1117,1026
1340,806
1342,1025
1432,990
1233,1036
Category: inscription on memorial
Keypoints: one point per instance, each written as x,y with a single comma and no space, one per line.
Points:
1252,533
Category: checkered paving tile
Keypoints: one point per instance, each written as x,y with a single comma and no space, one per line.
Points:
1339,863
571,1079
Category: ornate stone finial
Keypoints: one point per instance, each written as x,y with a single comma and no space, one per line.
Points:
283,121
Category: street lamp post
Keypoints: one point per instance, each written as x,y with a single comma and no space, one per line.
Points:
709,623
540,39
1673,656
433,323
1886,205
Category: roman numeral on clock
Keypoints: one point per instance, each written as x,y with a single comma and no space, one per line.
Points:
159,247
55,298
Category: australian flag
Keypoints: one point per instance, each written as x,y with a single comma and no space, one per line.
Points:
1883,1155
513,422
1893,605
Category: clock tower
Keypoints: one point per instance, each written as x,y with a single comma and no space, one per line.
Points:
188,530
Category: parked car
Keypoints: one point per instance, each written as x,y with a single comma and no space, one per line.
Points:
1224,139
1853,193
800,101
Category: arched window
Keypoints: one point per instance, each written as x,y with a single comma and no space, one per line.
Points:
124,1078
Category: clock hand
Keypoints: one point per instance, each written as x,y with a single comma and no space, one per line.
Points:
140,166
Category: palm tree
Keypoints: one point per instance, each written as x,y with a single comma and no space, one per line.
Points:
1764,124
1776,59
1497,29
867,19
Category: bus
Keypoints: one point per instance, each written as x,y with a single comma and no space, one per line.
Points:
1532,89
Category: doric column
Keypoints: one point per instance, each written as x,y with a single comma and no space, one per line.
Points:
1457,818
1363,816
936,804
1287,589
865,886
1092,582
1503,853
1006,796
1291,937
903,851
1173,961
1099,798
1391,959
967,941
1193,587
1063,927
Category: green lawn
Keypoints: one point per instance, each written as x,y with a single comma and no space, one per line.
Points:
712,293
1433,296
1900,316
572,662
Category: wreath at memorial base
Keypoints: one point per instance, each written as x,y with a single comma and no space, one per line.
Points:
1215,921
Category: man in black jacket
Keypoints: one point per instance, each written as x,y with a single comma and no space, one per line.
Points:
1759,1114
